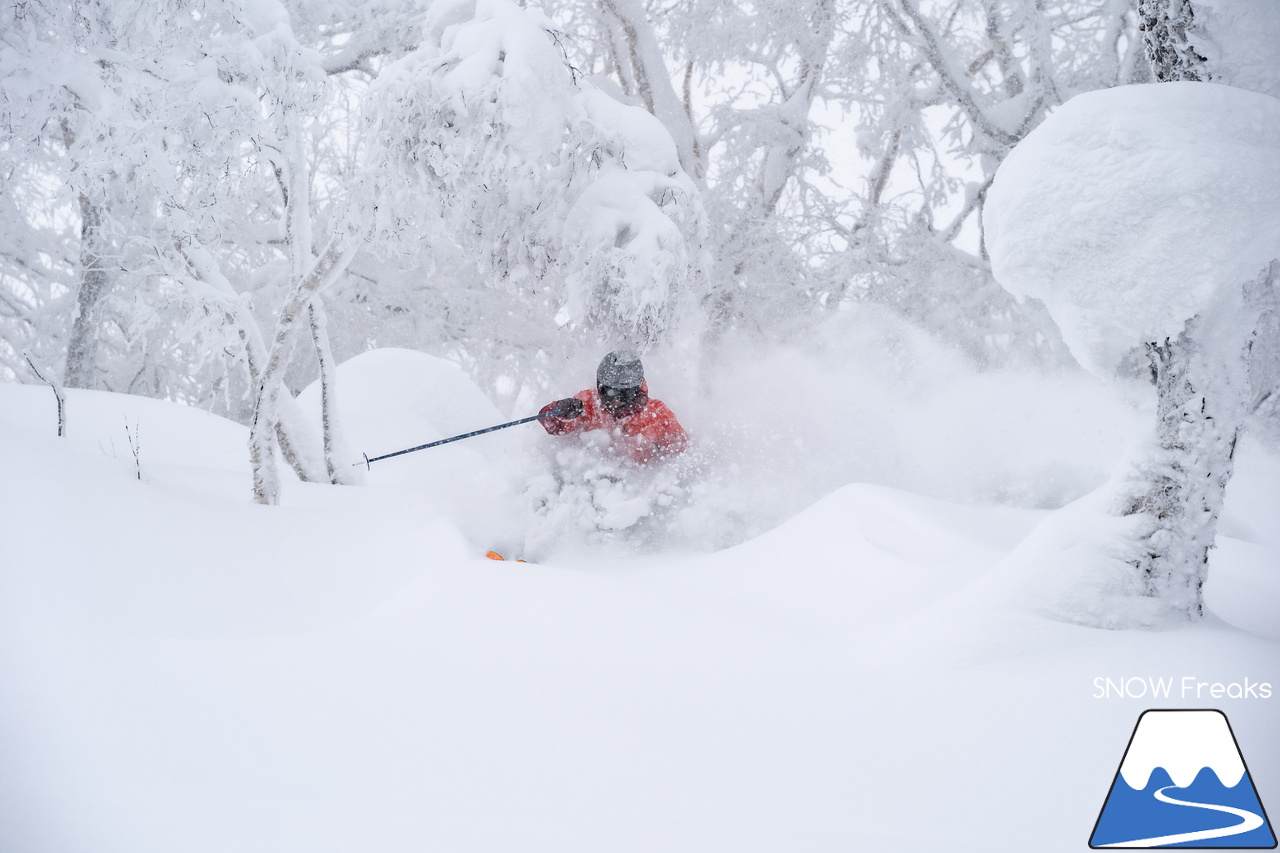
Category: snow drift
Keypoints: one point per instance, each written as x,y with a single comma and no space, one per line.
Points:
182,669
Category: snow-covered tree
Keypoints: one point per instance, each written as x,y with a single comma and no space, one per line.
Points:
621,171
1145,218
138,134
562,194
165,172
74,80
943,92
736,87
1239,41
801,220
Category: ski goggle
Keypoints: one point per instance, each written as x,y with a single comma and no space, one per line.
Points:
615,397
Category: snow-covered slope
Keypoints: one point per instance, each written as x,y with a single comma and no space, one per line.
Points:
181,670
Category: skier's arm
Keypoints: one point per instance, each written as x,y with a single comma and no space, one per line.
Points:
672,438
566,416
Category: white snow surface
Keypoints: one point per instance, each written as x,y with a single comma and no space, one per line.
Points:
1130,210
182,670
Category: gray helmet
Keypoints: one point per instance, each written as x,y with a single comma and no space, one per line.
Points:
620,369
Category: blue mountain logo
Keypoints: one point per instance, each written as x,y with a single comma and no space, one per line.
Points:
1183,783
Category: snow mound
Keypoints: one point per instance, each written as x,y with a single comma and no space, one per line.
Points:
102,422
184,671
1132,209
1073,568
390,399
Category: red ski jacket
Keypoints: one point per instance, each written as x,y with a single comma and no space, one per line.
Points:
649,430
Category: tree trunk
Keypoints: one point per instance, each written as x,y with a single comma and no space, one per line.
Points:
1264,358
338,462
1166,27
648,71
274,416
82,349
1201,382
266,411
292,437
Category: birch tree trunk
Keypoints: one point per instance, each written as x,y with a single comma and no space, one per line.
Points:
82,349
338,461
267,404
291,432
648,71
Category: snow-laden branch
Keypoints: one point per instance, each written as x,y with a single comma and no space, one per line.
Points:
653,82
552,185
952,77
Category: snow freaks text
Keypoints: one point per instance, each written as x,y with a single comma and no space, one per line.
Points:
1186,687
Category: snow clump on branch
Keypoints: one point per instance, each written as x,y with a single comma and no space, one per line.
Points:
635,233
1131,210
556,189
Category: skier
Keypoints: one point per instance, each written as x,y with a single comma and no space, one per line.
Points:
642,428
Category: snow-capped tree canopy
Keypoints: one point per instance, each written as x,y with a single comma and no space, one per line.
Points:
1131,210
830,154
536,178
554,185
634,253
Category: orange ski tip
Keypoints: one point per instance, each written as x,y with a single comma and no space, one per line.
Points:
494,555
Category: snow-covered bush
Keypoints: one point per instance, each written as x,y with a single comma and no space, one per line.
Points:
1146,216
559,192
634,237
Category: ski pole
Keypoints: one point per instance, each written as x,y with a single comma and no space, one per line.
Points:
368,461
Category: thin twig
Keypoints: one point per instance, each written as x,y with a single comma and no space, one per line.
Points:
135,444
57,392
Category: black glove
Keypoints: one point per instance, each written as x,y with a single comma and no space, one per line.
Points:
568,408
